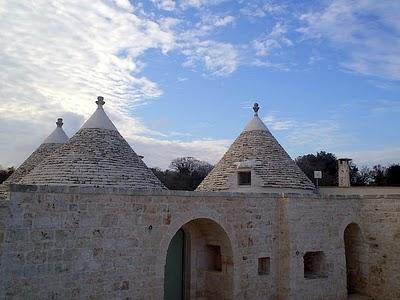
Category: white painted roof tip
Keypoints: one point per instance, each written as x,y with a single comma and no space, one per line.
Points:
99,119
58,136
255,123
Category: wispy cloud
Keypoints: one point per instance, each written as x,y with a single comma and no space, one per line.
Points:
63,57
385,106
384,156
311,136
327,135
159,153
257,10
368,31
185,4
57,57
275,39
219,59
168,5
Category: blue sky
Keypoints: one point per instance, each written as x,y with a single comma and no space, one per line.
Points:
179,77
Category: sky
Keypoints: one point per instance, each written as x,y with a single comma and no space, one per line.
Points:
179,77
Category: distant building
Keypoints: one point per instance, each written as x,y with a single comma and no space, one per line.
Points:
344,172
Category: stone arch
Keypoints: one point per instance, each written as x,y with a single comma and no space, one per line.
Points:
208,259
355,258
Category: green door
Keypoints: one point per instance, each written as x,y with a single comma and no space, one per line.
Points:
173,280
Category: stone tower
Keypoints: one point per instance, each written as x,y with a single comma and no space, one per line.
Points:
344,172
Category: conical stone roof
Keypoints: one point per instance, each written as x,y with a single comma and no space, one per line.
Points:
97,155
256,151
55,140
49,145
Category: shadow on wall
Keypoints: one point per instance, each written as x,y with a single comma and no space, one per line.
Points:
356,259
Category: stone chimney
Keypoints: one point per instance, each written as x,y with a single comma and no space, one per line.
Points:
344,172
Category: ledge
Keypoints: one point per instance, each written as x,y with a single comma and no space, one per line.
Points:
324,193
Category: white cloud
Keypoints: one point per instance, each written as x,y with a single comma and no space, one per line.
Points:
168,5
63,57
257,10
384,106
220,59
124,4
278,125
223,21
209,23
57,57
159,153
300,137
385,156
276,39
185,4
367,30
306,136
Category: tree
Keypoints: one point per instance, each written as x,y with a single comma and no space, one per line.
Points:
393,175
190,165
360,177
378,175
5,173
322,161
186,173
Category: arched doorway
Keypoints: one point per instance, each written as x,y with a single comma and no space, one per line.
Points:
354,250
200,256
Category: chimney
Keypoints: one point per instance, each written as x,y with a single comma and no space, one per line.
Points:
344,172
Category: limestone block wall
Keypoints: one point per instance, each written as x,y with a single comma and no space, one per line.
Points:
316,226
319,225
377,212
380,222
111,243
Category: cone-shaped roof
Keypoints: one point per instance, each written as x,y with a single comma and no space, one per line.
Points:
97,155
58,136
49,145
256,151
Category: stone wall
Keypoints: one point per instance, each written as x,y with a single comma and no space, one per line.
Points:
3,215
380,223
320,225
110,243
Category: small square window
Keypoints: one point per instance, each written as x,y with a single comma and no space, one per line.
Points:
264,265
314,265
244,178
214,261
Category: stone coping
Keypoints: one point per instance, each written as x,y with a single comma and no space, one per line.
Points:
360,190
59,189
63,189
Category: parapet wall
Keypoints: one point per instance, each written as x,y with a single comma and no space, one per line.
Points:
107,243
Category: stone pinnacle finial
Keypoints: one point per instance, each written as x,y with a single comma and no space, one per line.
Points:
256,108
100,101
59,122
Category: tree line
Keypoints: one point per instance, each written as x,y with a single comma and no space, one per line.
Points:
359,176
186,173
